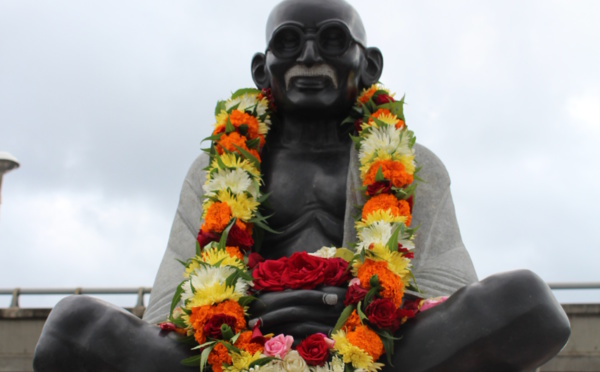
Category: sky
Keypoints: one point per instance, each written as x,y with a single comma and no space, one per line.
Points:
104,104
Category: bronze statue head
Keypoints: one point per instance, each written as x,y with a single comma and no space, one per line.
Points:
316,57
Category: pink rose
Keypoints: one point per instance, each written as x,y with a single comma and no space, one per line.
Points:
278,346
432,302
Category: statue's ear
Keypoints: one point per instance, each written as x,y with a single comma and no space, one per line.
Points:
259,72
373,67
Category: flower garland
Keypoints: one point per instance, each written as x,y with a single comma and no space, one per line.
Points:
210,305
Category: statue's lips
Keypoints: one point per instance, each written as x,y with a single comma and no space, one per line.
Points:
315,77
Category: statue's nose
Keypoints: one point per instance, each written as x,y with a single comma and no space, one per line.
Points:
310,54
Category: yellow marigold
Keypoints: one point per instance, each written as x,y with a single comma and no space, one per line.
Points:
397,263
367,340
392,287
241,362
387,117
212,294
230,257
218,355
380,215
353,354
235,161
387,202
217,217
242,206
394,171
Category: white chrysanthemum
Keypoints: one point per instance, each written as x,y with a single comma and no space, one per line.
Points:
386,139
325,252
377,233
237,180
205,276
245,101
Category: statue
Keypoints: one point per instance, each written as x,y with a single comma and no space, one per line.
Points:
316,63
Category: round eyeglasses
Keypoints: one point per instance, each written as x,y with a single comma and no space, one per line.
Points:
332,39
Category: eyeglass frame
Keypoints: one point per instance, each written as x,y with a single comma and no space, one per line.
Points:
304,37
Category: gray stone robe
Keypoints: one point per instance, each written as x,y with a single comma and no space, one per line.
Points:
441,264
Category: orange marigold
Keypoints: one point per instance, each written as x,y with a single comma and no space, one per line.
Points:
392,170
352,322
366,96
217,357
201,314
217,217
235,252
230,141
243,342
367,340
387,202
238,118
392,287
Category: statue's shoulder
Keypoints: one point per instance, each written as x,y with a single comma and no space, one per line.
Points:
432,167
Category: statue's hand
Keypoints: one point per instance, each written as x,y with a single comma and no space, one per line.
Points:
298,313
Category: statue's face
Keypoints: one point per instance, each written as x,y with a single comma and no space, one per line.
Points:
313,57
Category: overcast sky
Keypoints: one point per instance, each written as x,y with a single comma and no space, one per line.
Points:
104,103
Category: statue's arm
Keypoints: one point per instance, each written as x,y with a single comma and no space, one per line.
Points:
182,242
442,264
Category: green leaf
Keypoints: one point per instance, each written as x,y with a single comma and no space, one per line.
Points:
229,127
176,297
243,129
343,317
253,143
246,300
193,361
212,138
263,226
360,313
204,357
223,241
374,291
219,107
230,347
241,92
249,156
345,254
379,175
198,248
392,244
263,198
226,332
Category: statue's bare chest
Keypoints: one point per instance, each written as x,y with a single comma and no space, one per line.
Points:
306,182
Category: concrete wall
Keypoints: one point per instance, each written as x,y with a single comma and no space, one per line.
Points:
20,330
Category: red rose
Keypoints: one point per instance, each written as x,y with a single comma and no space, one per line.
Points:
405,252
336,273
303,271
254,259
206,237
383,98
239,238
381,313
212,328
267,275
314,350
382,187
357,125
354,294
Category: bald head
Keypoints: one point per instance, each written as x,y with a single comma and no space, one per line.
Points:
312,13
